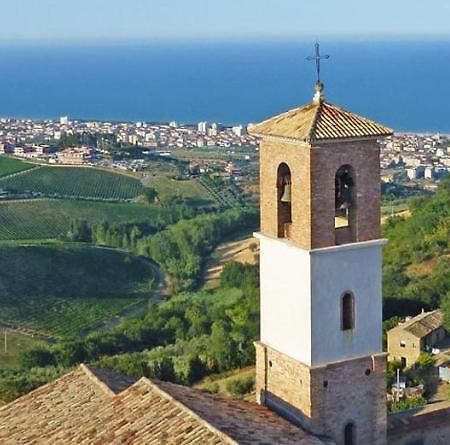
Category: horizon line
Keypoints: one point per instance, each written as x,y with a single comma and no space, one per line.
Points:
225,39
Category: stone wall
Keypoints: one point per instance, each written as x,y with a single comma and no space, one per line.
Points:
410,351
324,399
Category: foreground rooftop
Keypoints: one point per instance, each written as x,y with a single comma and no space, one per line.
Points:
88,406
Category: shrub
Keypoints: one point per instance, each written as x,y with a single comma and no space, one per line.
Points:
403,405
212,388
240,387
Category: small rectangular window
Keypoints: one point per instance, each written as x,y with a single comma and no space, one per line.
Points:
402,344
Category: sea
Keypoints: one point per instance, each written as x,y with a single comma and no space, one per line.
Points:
404,84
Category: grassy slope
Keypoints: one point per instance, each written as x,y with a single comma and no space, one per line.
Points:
61,289
169,188
29,220
10,165
75,182
16,343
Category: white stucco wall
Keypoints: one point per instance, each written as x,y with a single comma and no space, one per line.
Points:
301,292
285,297
336,270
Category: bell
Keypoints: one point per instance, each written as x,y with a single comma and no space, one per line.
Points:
286,197
346,199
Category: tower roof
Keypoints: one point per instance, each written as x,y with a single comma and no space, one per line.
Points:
319,121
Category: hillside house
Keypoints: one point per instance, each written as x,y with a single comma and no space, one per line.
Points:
418,334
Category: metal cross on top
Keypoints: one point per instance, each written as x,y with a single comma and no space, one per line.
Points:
318,57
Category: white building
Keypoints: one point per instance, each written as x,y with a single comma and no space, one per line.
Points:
202,127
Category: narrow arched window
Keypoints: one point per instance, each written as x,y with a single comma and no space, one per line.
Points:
284,184
348,311
344,195
349,434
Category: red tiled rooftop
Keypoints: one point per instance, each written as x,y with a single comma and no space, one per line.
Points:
319,121
100,407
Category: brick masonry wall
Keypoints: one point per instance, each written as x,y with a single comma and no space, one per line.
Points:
324,399
313,172
353,396
297,157
364,157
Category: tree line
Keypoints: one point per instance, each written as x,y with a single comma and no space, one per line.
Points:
180,247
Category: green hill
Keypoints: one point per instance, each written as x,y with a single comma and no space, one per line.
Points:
416,262
74,182
62,289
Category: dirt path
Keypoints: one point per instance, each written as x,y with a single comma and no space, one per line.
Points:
245,250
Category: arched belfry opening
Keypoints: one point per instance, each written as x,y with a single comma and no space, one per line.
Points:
344,196
284,200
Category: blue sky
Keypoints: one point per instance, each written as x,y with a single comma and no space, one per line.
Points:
119,20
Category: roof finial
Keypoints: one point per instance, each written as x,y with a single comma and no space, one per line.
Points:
318,97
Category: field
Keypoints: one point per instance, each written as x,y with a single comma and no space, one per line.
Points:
46,219
16,342
74,182
9,166
60,290
226,195
169,188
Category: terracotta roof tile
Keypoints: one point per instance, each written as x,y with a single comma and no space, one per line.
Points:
319,121
420,419
99,407
423,324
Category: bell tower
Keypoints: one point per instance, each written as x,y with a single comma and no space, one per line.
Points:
319,361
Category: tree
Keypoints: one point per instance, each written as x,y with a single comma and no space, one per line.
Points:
162,369
80,231
425,361
39,356
196,369
445,308
70,353
150,195
222,347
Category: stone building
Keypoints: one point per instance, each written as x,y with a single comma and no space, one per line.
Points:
418,334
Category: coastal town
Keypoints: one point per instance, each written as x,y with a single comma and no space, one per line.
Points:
413,159
38,139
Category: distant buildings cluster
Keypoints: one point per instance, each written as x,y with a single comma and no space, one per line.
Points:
34,139
420,156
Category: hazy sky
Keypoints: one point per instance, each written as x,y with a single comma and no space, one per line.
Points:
117,20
